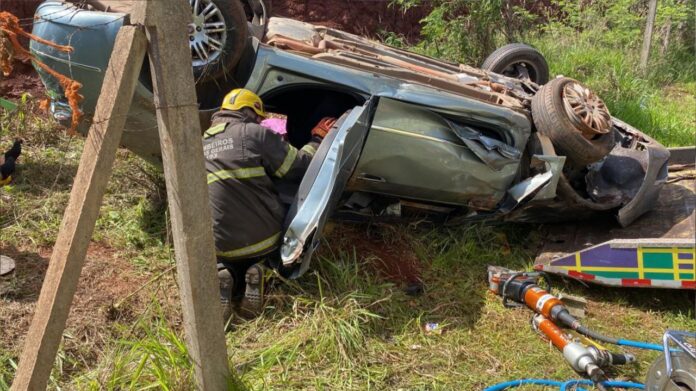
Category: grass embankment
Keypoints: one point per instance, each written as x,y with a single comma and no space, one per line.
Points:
342,326
662,103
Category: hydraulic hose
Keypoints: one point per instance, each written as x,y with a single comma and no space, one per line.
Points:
641,345
620,342
587,332
521,382
563,386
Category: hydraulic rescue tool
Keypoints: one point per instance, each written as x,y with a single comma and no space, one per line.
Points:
522,289
675,370
519,289
583,359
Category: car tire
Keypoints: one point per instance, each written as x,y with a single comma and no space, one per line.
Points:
232,12
554,116
506,60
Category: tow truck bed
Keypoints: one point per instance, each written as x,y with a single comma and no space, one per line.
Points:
658,250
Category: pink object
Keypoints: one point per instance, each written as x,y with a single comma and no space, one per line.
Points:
277,125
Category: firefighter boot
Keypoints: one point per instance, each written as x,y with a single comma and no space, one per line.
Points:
252,303
226,280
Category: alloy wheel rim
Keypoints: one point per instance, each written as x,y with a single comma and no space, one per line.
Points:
207,32
586,110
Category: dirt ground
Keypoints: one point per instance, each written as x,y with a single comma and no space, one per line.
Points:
106,279
366,17
24,79
383,249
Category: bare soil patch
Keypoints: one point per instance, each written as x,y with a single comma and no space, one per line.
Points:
385,250
364,17
23,79
106,278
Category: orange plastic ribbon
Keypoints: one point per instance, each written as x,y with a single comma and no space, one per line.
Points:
10,49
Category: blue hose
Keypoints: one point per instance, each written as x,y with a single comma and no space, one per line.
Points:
640,345
517,383
563,386
624,384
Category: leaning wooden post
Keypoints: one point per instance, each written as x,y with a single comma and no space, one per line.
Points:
182,152
187,189
77,227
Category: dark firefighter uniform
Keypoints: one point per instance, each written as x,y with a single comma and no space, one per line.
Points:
242,157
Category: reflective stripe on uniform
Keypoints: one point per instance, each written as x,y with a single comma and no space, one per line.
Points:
240,173
214,130
287,163
252,249
309,149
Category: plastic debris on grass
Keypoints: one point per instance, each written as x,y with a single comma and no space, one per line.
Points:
433,328
11,49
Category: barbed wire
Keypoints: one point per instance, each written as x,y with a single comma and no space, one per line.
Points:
73,4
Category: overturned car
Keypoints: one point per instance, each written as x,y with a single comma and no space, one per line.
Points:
418,138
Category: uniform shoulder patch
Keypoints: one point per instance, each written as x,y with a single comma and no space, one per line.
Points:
219,128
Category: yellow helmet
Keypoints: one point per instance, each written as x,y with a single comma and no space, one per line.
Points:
240,98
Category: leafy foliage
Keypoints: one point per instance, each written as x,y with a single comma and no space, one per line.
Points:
467,31
597,42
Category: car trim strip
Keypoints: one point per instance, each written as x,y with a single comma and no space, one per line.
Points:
409,134
252,249
240,173
287,163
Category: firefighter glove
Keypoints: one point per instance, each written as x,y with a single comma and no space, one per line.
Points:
323,127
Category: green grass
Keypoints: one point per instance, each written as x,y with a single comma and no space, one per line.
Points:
661,103
342,326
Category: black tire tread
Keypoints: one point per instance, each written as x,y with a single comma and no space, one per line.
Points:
501,58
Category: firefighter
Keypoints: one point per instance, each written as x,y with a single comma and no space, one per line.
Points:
243,161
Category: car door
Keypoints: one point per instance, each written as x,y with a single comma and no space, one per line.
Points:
321,188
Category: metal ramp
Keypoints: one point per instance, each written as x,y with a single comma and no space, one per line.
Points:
658,250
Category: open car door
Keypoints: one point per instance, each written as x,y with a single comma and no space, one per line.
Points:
321,188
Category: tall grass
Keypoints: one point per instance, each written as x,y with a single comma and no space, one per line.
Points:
149,355
596,42
662,102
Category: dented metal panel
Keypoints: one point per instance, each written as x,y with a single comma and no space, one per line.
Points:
412,152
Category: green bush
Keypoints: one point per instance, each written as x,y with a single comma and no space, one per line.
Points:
597,42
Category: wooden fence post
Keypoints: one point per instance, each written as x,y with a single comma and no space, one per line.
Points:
187,189
165,40
81,214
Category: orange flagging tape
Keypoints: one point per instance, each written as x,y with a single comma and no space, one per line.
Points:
10,49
